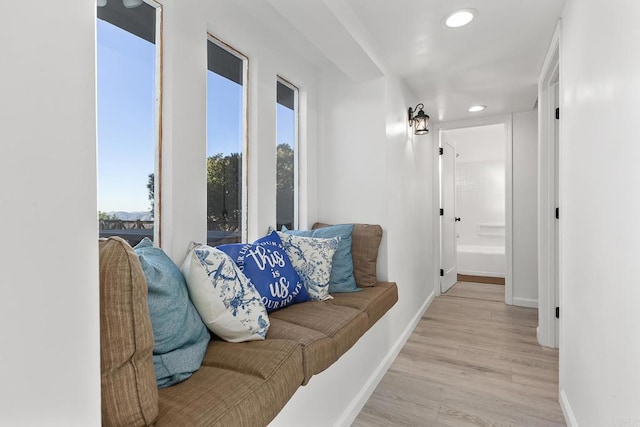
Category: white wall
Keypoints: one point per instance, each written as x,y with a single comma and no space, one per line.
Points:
371,169
50,357
600,236
480,185
49,304
525,209
359,165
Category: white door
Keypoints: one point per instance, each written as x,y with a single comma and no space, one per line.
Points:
449,273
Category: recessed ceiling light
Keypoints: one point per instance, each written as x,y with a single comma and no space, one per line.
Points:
477,108
459,18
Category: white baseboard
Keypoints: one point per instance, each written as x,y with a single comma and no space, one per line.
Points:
567,411
525,302
358,402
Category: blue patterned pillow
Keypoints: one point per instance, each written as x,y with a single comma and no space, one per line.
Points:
266,264
342,279
312,258
180,336
227,301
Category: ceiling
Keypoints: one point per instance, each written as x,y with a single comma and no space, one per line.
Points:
493,61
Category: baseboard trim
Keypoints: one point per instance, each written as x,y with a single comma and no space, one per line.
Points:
567,411
358,402
481,279
525,302
481,273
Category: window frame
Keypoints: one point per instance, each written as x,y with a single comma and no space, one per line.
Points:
158,117
296,144
245,129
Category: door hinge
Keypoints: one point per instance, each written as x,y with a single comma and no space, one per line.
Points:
557,213
557,113
441,151
441,273
557,311
441,212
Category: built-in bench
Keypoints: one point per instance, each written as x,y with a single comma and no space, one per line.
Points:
244,384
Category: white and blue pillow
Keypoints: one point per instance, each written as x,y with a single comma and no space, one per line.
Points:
312,258
266,264
342,278
180,336
227,301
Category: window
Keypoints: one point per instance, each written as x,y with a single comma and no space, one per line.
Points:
128,98
286,159
226,144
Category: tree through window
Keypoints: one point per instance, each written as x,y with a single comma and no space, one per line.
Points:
226,144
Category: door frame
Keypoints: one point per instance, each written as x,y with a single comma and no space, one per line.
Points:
507,121
547,185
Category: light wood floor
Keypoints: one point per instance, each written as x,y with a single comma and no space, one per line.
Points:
472,360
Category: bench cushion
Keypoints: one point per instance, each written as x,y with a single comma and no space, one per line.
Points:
374,301
365,242
129,391
325,331
239,384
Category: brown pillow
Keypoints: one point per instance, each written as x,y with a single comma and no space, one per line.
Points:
129,390
365,241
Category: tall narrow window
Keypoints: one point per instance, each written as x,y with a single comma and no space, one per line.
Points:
286,159
226,144
128,98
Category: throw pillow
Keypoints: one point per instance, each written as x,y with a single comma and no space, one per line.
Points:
128,383
227,301
312,258
342,279
364,250
266,264
180,336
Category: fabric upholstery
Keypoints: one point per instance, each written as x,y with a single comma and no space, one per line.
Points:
342,279
337,330
224,392
247,384
227,301
318,350
267,265
365,243
312,258
374,301
129,391
180,335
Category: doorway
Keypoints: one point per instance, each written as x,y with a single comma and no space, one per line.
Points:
474,225
473,221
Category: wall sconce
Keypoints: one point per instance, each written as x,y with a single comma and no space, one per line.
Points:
419,121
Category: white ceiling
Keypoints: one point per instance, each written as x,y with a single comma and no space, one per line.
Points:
494,61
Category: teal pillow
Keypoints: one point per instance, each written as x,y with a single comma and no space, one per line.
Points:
180,336
342,279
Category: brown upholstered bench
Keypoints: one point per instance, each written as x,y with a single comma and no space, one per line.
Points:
244,384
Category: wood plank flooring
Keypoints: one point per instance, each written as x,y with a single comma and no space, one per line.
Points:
471,361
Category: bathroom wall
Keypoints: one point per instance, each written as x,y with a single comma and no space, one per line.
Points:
480,185
480,198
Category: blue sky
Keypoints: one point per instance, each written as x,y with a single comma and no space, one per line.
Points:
126,118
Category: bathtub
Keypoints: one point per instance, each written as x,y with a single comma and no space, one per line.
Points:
488,261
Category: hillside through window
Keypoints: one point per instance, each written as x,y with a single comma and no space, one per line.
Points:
127,120
226,142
